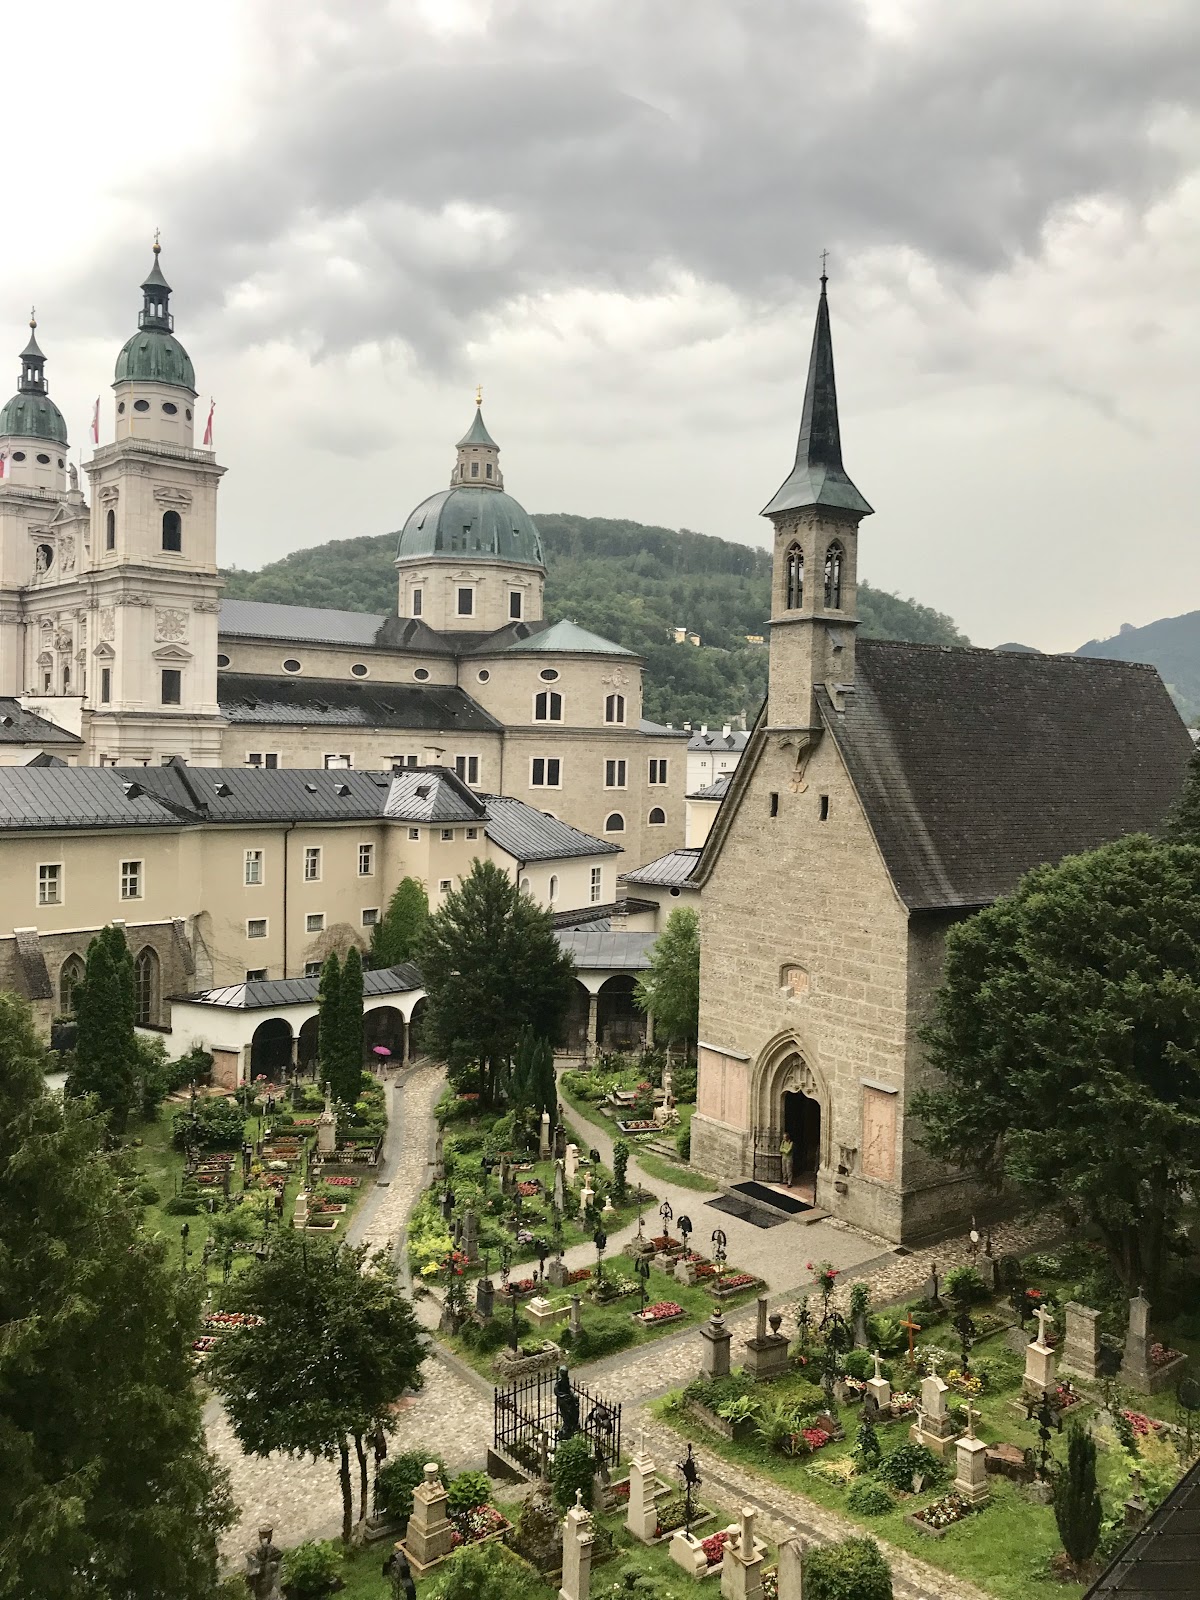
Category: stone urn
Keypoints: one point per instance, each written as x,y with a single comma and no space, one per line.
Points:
776,1321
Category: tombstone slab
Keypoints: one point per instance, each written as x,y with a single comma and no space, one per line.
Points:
970,1480
1040,1375
579,1536
717,1340
1135,1364
686,1551
878,1386
1081,1341
641,1515
542,1314
557,1273
685,1273
935,1427
742,1565
791,1568
430,1533
544,1137
572,1162
470,1235
766,1353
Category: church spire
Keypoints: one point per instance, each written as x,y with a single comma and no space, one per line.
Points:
818,477
33,363
478,462
156,296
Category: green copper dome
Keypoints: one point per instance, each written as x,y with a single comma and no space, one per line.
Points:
156,356
482,524
33,416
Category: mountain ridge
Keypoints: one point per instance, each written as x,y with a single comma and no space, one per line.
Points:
1172,644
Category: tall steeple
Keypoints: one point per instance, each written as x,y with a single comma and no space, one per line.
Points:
33,363
816,513
478,462
156,297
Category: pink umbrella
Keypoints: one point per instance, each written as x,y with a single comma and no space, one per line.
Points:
380,1050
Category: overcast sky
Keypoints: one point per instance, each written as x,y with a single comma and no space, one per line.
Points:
610,213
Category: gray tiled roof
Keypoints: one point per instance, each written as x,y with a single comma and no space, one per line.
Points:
530,835
601,918
676,867
1156,1563
598,951
260,619
657,730
77,797
974,767
271,993
18,726
713,791
432,794
714,739
259,794
258,699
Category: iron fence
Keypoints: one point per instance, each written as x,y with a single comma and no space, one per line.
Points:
527,1424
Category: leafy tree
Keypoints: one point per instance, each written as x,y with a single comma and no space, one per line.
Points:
670,990
329,994
106,1053
852,1569
620,1168
1077,1508
1183,822
350,1029
337,1345
481,1572
573,1469
398,932
492,967
1067,1033
106,1488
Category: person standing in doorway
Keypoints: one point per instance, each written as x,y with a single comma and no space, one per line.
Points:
785,1151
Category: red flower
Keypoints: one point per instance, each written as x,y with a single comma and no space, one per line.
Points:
714,1546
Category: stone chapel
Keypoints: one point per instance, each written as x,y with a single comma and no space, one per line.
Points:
887,791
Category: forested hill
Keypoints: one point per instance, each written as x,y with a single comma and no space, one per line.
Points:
1172,644
629,582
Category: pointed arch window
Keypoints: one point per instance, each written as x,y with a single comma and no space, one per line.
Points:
70,976
614,708
834,558
794,570
146,987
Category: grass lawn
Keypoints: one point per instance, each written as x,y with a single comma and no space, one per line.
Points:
652,1164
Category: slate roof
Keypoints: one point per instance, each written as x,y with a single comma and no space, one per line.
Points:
530,835
975,766
262,994
712,791
570,639
261,794
77,797
600,918
658,730
260,619
253,698
596,951
432,794
735,739
675,868
18,726
1161,1558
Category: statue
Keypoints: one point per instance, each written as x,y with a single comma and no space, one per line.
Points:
567,1402
73,475
262,1566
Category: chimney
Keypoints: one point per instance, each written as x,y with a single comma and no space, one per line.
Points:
725,731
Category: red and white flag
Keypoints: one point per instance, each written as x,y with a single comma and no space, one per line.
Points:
96,421
212,406
3,459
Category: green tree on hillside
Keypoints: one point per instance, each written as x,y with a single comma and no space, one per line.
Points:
106,1487
350,1029
670,989
1069,1014
106,1053
398,932
492,967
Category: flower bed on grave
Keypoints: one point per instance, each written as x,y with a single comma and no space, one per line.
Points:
579,1275
672,1513
204,1345
339,1181
660,1311
806,1441
1065,1397
942,1514
224,1321
714,1546
479,1525
1141,1423
1162,1355
732,1283
640,1125
529,1190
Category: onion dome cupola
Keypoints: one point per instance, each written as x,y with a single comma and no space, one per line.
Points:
31,414
154,354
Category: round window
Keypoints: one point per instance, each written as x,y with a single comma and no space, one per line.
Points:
483,675
421,674
141,405
548,675
43,459
291,665
60,461
222,660
359,670
170,407
121,409
18,455
187,412
674,894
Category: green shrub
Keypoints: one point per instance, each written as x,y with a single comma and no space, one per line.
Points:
148,1194
683,1082
716,1392
853,1569
573,1469
683,1142
603,1334
869,1499
481,1572
777,1420
490,1335
218,1122
620,1167
396,1480
858,1364
965,1286
887,1336
468,1490
312,1568
897,1469
182,1205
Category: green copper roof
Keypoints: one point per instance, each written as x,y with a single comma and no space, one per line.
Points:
818,477
484,524
33,416
155,356
568,638
477,433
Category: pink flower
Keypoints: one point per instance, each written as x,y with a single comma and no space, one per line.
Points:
714,1547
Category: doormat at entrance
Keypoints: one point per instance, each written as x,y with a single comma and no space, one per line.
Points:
745,1213
773,1197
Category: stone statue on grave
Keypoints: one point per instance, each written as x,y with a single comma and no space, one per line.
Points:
262,1566
567,1402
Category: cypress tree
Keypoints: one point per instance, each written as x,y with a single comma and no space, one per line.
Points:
399,930
1077,1508
350,1029
328,1020
106,1047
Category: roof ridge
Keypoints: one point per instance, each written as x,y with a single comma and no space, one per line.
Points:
994,654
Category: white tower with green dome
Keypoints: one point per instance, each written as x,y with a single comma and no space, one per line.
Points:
153,586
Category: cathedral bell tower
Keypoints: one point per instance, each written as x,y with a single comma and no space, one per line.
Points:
815,514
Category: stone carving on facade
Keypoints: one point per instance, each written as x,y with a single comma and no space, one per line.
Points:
879,1135
617,678
165,495
109,495
136,600
799,1079
73,475
108,623
66,551
213,606
794,982
63,640
170,625
43,557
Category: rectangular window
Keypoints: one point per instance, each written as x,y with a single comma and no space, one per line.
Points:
404,761
312,969
596,885
614,708
516,605
370,916
262,758
312,864
414,833
614,774
366,860
338,761
474,469
314,922
445,885
418,601
545,772
256,974
172,686
472,833
105,686
131,880
467,768
254,866
658,771
256,928
823,808
447,835
466,602
50,880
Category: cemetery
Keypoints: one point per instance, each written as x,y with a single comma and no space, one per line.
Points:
647,1100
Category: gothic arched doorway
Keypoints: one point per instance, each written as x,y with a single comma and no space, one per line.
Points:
801,1124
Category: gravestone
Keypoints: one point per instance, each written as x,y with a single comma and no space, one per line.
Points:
742,1566
470,1236
970,1479
572,1162
861,1340
557,1273
560,1186
932,1289
579,1535
641,1517
430,1534
542,1314
560,1142
1081,1341
1136,1370
327,1128
544,1138
1039,1361
485,1297
587,1196
505,1175
717,1338
791,1568
300,1215
576,1322
935,1427
878,1387
685,1273
766,1353
262,1566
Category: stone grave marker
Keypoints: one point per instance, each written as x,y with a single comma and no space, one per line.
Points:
470,1235
572,1162
934,1427
1135,1364
544,1138
430,1533
742,1565
1081,1341
717,1339
878,1387
641,1517
560,1186
1039,1361
766,1353
579,1536
971,1476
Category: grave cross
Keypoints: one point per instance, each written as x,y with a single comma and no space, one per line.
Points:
878,1360
933,1366
1043,1317
912,1327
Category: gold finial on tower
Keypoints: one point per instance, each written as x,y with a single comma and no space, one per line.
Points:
33,316
157,246
478,394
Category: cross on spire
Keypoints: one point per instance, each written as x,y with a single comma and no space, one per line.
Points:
824,259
